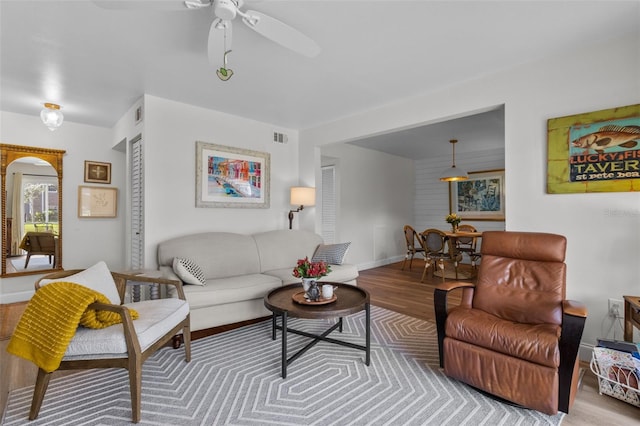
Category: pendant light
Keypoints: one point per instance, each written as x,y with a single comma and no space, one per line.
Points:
51,116
453,173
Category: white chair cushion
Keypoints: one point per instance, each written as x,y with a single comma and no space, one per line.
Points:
157,318
98,278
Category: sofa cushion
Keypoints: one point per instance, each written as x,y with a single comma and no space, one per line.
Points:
280,249
157,318
219,254
188,271
331,253
97,277
339,273
231,289
480,328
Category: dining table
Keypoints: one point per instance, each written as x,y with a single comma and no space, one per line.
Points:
452,237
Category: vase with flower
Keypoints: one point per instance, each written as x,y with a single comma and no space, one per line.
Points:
310,272
454,220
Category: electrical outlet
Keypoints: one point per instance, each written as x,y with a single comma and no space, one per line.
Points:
616,308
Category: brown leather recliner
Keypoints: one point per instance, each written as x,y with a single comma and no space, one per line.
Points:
514,335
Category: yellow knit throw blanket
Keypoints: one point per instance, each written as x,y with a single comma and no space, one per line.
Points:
50,321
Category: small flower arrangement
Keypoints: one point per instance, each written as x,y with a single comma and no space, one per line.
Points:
453,219
307,269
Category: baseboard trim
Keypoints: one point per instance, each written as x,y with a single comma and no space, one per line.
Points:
379,262
22,296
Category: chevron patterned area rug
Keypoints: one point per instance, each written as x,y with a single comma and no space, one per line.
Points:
234,379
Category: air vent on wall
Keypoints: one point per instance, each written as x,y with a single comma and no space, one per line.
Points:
280,137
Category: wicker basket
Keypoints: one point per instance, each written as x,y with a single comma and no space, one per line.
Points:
617,381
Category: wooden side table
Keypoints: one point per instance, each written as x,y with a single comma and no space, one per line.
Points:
631,316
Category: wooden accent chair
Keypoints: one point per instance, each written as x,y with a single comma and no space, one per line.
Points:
126,345
514,335
414,245
437,253
468,245
39,243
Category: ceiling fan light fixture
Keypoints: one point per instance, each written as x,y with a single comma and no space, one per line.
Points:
453,174
51,116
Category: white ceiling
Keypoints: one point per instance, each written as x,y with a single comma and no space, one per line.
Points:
97,62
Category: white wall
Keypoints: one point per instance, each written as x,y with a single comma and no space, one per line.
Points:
171,132
603,230
375,201
84,241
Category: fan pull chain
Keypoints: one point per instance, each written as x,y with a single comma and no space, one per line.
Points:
225,73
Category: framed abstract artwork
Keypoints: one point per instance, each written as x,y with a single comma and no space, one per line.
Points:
481,197
231,177
594,152
97,202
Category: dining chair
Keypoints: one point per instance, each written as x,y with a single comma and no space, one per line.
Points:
436,252
411,237
468,245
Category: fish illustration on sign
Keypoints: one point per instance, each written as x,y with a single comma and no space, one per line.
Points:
608,137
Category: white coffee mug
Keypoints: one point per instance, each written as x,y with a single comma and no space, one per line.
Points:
327,291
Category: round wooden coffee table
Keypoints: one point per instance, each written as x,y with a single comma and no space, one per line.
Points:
349,300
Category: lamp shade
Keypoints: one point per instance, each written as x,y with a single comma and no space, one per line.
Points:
51,116
453,173
303,196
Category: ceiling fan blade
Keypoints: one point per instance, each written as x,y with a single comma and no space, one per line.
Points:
281,33
152,4
216,45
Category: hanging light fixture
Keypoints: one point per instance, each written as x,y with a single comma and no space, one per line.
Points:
51,116
453,173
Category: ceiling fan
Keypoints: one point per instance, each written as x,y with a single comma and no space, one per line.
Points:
220,32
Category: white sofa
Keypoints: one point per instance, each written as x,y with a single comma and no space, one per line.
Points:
240,270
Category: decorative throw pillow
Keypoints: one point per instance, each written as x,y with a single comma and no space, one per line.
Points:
331,253
188,271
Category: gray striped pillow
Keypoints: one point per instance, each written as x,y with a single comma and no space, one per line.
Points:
331,253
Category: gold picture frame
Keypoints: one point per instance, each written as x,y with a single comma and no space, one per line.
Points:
97,172
97,202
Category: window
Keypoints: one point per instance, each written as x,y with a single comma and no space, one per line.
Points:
40,195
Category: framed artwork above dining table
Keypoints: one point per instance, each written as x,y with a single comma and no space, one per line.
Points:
481,197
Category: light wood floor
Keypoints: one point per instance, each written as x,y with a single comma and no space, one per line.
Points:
402,291
390,288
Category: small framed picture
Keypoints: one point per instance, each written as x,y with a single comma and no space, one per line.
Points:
96,172
97,201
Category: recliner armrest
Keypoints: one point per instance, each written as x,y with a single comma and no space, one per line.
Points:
574,316
452,285
440,304
574,308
